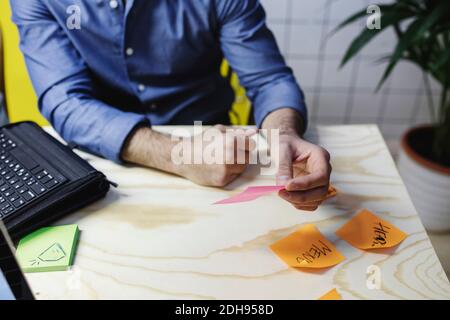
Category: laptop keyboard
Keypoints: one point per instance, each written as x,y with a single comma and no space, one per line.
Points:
22,179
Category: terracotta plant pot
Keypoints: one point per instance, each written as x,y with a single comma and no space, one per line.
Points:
428,182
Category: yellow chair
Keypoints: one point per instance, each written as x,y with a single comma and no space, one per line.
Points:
241,110
2,79
20,97
22,101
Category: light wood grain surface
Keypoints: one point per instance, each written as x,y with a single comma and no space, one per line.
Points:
158,237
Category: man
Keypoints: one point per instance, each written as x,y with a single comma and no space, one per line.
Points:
136,63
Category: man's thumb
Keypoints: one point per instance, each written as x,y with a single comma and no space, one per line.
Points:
284,173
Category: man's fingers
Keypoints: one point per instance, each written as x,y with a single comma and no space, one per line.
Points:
319,172
284,173
305,197
306,208
237,168
240,140
223,181
304,200
318,178
244,143
237,156
237,146
221,127
309,181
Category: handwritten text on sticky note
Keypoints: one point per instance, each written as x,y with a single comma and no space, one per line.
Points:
307,248
367,231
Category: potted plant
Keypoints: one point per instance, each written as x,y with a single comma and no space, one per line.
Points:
423,38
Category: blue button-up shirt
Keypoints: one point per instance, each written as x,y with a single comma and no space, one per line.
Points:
147,61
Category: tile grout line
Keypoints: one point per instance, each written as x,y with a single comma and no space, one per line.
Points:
320,65
288,29
353,85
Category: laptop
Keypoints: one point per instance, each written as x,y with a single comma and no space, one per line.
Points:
13,285
41,179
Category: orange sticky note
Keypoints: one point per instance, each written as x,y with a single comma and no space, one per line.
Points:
332,192
307,248
331,295
367,231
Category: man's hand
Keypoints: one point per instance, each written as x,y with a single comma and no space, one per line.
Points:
153,149
229,166
304,168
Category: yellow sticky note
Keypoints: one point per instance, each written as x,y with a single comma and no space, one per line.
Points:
367,231
331,295
307,248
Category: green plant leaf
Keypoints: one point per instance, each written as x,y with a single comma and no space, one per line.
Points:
415,32
361,14
400,50
351,19
387,20
413,4
442,60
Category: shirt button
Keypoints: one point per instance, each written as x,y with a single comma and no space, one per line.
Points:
141,87
153,106
113,4
129,51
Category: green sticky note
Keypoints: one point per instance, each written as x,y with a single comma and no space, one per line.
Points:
48,249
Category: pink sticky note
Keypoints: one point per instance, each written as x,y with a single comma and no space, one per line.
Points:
251,193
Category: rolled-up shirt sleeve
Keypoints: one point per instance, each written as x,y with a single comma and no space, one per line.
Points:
64,87
251,49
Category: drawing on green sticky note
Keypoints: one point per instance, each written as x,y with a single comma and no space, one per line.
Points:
48,249
52,254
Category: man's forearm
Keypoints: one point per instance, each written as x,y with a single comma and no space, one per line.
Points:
149,148
287,120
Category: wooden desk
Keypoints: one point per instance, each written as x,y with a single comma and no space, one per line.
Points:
158,237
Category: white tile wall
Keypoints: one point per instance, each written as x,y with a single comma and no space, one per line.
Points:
421,114
369,74
399,106
366,107
333,77
308,11
305,39
303,29
337,42
336,105
305,71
